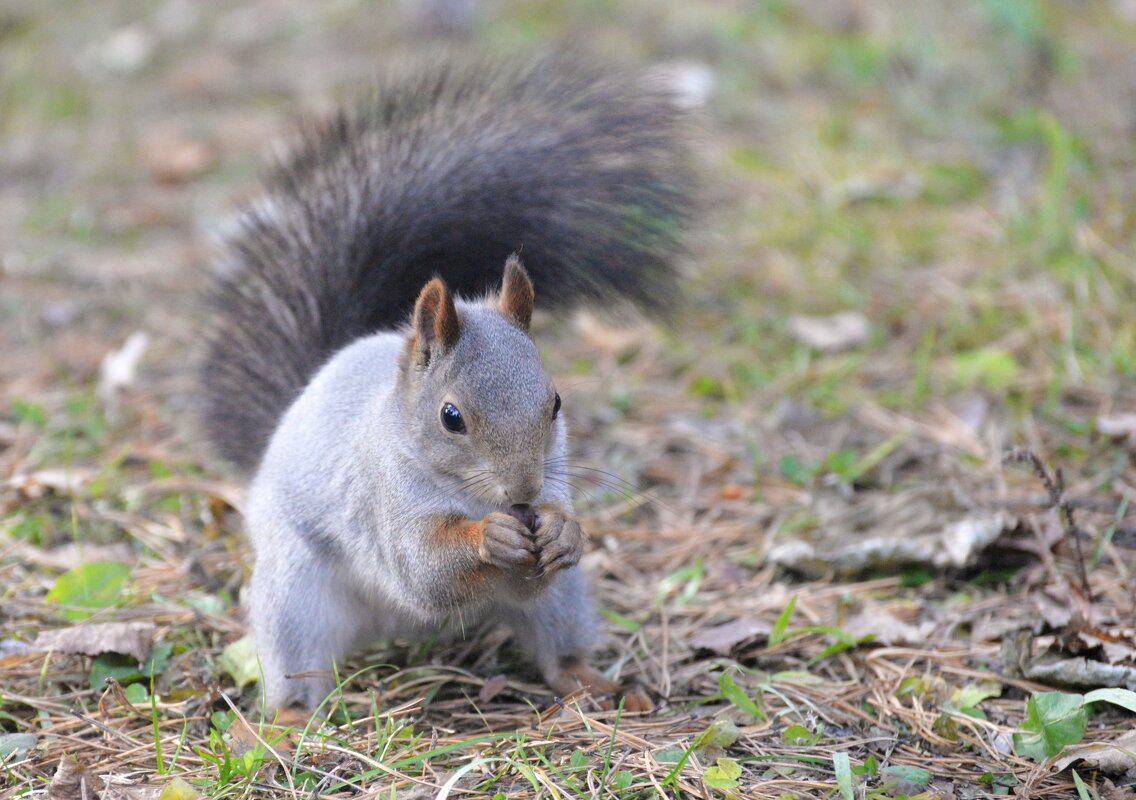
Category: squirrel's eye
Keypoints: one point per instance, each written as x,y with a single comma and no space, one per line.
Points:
556,407
452,419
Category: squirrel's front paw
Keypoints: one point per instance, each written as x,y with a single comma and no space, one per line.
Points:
560,542
506,542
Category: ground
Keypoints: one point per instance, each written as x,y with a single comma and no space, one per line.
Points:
958,179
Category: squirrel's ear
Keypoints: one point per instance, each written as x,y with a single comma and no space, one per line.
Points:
516,301
436,323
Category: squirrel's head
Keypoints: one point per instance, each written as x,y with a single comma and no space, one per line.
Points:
477,397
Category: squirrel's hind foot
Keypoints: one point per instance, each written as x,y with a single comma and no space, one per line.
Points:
573,673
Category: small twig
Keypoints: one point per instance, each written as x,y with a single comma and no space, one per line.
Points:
1054,483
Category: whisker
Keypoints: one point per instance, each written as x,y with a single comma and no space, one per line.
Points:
617,485
591,498
610,475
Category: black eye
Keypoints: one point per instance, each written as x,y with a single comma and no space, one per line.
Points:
556,407
452,419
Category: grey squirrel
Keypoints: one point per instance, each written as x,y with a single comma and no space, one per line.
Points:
406,474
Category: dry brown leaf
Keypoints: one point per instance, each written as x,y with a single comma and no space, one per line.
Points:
34,485
723,638
879,530
1110,791
293,718
280,737
1117,652
130,638
73,780
1117,757
840,331
602,335
1079,672
173,157
734,491
887,628
136,791
1055,612
119,369
1117,425
492,687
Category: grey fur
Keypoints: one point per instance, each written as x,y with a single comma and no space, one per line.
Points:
363,451
309,376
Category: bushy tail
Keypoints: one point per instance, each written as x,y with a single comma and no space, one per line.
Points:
444,172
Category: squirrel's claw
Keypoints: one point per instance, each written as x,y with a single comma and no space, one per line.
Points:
560,543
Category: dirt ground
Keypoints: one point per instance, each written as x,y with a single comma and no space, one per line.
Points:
845,555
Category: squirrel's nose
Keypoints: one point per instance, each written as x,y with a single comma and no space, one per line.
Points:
524,491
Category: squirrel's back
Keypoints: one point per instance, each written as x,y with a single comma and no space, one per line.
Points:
444,171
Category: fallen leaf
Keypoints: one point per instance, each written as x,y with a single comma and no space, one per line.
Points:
672,754
34,485
1110,791
1055,612
133,791
711,744
840,331
600,334
724,775
1116,757
14,746
240,661
173,157
125,51
733,491
119,368
73,780
886,628
243,738
292,718
1117,644
13,650
1081,672
723,638
904,780
876,530
130,638
971,695
1117,425
492,687
93,585
1116,652
178,789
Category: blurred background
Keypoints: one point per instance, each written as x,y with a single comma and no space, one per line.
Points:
915,250
960,174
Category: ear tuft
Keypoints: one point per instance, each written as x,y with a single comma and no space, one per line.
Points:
436,324
516,301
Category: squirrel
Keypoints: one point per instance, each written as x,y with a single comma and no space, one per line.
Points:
409,473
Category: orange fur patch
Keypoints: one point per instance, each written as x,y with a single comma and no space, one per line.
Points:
460,531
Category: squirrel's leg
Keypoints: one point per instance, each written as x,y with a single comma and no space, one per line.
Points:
557,631
303,619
